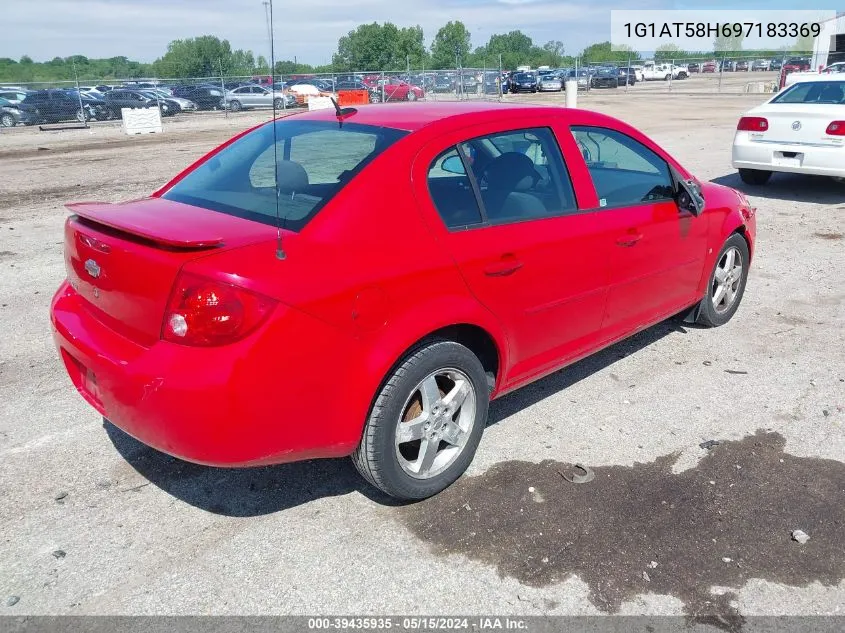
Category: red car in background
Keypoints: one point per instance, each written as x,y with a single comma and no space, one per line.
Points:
796,65
709,67
399,90
259,310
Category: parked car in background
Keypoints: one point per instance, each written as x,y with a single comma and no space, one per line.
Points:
14,95
184,287
54,106
11,114
207,97
444,83
796,65
709,67
550,83
801,130
838,67
760,65
627,76
694,67
582,76
493,83
395,89
104,88
467,82
185,105
255,96
123,98
605,77
524,82
727,66
99,108
742,66
776,64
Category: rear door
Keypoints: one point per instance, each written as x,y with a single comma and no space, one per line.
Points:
501,201
657,250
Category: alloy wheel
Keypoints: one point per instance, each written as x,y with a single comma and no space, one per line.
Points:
726,280
436,423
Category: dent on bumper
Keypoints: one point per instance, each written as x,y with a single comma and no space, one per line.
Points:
238,405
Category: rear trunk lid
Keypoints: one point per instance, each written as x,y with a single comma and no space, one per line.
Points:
122,259
801,124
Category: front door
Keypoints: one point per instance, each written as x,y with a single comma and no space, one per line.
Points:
657,250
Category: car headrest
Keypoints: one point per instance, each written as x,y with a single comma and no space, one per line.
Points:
512,171
291,177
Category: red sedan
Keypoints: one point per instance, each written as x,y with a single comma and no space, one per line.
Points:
267,306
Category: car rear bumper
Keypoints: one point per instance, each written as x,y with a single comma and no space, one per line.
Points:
226,406
811,160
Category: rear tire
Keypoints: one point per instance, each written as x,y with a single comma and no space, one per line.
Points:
755,177
442,386
727,283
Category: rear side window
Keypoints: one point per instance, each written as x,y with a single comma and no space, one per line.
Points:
519,175
623,170
451,191
310,163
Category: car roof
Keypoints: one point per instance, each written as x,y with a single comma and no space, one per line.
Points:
412,117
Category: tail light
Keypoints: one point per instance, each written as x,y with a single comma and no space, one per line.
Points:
752,124
206,313
837,128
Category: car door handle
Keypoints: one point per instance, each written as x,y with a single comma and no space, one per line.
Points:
630,239
502,268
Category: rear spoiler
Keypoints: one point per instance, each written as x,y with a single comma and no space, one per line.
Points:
147,220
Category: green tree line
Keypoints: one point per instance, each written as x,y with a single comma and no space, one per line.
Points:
376,46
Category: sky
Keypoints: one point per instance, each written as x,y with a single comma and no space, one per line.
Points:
305,29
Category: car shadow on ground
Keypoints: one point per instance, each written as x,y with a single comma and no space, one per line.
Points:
791,187
245,492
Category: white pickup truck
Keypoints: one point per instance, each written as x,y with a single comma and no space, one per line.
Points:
653,71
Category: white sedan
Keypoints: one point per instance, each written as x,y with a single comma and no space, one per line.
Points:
801,130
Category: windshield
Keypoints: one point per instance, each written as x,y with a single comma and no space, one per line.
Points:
315,160
523,77
606,72
827,92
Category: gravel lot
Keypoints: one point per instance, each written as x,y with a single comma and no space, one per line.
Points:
92,522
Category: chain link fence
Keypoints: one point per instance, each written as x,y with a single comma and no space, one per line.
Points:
92,101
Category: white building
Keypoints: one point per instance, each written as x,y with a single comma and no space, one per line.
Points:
830,44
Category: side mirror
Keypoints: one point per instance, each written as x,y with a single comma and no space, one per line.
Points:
453,165
690,197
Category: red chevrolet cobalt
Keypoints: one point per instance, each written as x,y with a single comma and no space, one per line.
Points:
363,283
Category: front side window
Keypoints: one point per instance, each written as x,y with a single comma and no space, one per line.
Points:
624,171
312,161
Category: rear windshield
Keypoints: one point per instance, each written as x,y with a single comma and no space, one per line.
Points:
826,92
314,160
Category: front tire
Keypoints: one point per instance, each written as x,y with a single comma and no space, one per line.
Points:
412,96
727,283
235,106
756,177
426,422
278,104
7,120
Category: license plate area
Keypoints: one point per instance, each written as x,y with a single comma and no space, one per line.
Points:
787,159
85,381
